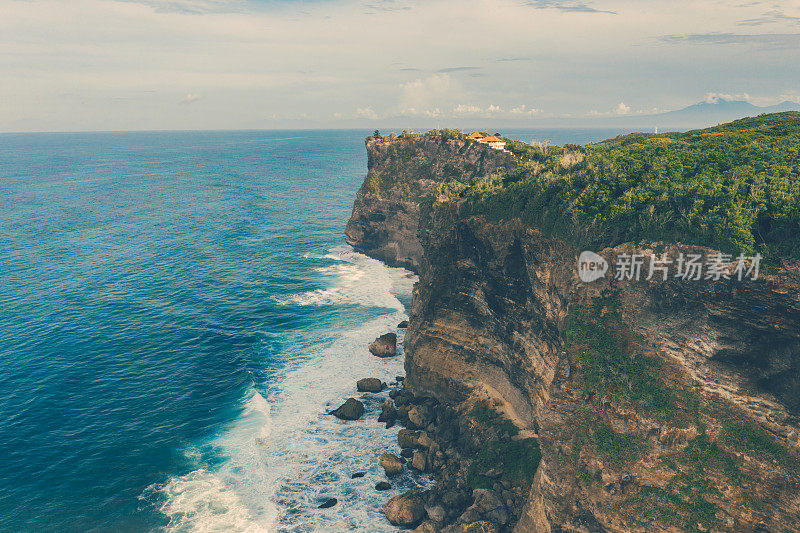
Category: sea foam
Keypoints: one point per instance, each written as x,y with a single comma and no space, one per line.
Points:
283,455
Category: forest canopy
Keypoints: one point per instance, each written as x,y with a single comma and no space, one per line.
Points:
733,187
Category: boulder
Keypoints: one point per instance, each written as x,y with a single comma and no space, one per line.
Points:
419,416
403,324
370,385
384,346
427,526
391,464
418,461
480,527
358,475
405,510
436,513
388,414
490,506
352,409
407,438
383,485
408,453
329,503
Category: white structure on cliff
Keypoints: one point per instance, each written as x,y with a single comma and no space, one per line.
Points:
494,142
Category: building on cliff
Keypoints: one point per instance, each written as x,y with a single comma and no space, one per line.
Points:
475,136
493,142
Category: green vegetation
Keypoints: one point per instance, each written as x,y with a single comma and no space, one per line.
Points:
734,187
683,503
754,440
688,499
614,363
487,416
619,448
516,459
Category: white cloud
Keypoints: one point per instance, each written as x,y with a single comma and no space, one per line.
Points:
191,98
714,98
621,109
367,112
427,94
524,110
466,109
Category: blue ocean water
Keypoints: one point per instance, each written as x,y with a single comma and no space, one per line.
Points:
177,310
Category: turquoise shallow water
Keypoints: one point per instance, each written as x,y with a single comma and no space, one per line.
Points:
176,310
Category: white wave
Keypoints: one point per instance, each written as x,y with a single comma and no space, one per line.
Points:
283,456
230,498
346,286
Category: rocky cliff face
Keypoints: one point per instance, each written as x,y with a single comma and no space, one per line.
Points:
657,405
403,176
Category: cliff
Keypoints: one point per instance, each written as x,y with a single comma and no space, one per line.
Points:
404,174
657,405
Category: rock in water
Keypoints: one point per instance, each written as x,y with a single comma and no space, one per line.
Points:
352,409
383,485
391,464
384,346
388,414
358,475
370,385
405,510
403,324
418,461
329,503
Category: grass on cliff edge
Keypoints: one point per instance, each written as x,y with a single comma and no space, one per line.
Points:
734,187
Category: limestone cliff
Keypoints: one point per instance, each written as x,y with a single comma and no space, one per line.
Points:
404,174
658,405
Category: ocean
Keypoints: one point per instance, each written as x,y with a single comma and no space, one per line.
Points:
178,310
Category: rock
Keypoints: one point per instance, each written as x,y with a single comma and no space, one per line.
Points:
388,414
489,505
391,464
405,510
419,461
407,438
424,441
400,379
383,485
384,346
408,453
370,385
436,513
426,527
329,503
493,473
403,324
419,416
480,527
358,475
352,409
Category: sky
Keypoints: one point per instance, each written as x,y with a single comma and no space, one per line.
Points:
75,65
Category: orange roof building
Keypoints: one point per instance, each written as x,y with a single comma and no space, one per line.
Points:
475,135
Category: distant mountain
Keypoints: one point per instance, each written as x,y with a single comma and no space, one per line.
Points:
702,114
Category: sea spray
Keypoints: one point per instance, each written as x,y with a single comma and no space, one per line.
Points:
284,455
